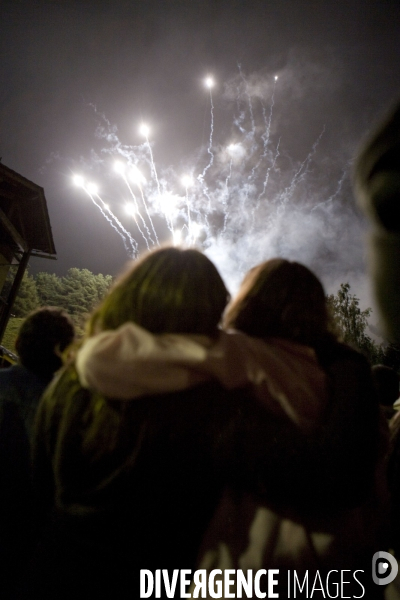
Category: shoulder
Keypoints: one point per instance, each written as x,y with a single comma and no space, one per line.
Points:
19,376
12,430
338,354
350,376
11,380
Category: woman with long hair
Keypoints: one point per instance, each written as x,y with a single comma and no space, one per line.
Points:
280,298
283,299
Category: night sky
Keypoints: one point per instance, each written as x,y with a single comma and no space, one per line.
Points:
271,160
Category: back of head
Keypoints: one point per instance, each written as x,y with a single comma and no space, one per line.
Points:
44,334
280,298
169,290
387,383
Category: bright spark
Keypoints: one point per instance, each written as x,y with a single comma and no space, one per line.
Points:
209,82
195,230
144,130
78,180
130,208
177,237
236,151
119,167
136,176
276,77
169,202
187,181
92,188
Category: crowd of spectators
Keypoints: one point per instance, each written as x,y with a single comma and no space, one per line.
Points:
191,430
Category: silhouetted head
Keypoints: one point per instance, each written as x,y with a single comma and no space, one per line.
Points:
280,298
169,290
43,336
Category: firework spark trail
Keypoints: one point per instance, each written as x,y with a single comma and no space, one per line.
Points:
266,134
229,175
209,83
238,120
148,214
103,213
167,218
91,191
191,208
335,194
161,206
265,138
192,226
236,224
206,223
265,184
204,188
226,196
202,217
153,166
272,166
301,172
209,150
138,212
122,231
111,133
132,252
253,125
170,226
189,223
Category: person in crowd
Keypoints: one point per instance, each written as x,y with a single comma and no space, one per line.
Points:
42,338
387,383
394,482
284,299
137,438
15,499
377,185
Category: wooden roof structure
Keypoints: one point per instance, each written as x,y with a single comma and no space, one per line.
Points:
25,231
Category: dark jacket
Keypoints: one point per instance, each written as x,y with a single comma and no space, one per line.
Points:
336,525
20,392
15,498
23,387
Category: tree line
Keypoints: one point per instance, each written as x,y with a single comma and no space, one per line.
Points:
351,324
79,291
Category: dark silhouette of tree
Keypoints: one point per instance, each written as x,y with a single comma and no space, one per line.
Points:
49,289
77,293
27,298
352,322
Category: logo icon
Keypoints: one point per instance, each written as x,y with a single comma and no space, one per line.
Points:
384,568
